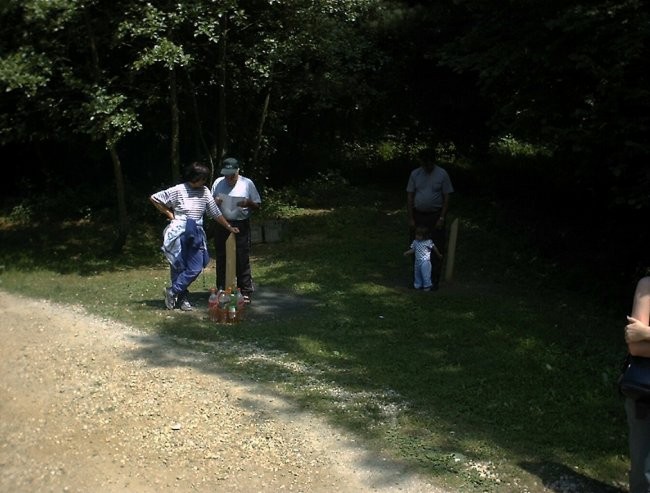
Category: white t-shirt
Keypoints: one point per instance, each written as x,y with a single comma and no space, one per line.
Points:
244,188
429,189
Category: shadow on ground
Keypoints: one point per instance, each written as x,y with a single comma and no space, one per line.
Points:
562,479
272,302
267,303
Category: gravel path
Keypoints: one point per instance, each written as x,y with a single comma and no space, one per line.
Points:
91,405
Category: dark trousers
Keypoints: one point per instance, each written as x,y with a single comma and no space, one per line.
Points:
638,419
242,263
437,235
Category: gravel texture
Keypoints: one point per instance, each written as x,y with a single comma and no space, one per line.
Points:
92,405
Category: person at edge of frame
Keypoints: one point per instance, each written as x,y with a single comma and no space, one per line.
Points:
637,337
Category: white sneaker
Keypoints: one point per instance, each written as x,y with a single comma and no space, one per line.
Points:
185,306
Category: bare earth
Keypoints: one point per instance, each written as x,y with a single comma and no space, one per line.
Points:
91,405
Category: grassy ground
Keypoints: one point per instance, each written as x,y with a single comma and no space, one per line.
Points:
501,381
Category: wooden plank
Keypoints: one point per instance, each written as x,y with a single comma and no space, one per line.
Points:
451,251
231,262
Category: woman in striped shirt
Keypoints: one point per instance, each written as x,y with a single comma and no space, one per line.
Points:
184,241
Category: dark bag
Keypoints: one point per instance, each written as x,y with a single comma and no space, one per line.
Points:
634,381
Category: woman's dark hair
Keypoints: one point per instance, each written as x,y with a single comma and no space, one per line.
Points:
197,171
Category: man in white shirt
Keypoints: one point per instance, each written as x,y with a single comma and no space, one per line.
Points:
237,197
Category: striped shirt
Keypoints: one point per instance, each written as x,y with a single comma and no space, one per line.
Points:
422,249
188,202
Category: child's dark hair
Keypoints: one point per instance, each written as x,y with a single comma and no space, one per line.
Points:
197,171
421,231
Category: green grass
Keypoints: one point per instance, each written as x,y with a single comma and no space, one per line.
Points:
505,372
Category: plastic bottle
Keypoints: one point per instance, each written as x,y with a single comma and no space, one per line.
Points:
240,300
224,301
213,302
232,305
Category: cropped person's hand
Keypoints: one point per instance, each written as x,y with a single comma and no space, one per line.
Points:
636,330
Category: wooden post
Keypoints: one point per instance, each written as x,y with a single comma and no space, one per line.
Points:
451,250
231,262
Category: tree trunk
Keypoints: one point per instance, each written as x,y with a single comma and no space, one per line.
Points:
222,134
173,103
123,218
260,130
199,126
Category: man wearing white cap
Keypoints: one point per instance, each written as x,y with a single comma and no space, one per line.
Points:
237,197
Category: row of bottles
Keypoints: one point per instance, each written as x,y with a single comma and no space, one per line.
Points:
226,305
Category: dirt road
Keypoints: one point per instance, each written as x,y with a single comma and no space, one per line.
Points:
91,405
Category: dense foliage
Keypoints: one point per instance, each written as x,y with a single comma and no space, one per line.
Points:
123,92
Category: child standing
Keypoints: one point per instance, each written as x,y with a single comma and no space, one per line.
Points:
422,248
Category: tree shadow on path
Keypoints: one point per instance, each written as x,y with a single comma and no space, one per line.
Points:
559,478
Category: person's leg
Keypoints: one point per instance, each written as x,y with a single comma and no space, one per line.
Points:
417,275
193,267
426,275
243,266
179,298
173,274
426,219
170,296
439,237
220,236
638,419
183,302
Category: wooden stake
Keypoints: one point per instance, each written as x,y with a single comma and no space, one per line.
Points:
451,251
231,262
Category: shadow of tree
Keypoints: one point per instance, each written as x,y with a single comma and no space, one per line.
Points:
80,247
559,478
383,365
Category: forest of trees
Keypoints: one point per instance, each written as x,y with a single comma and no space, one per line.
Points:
544,99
